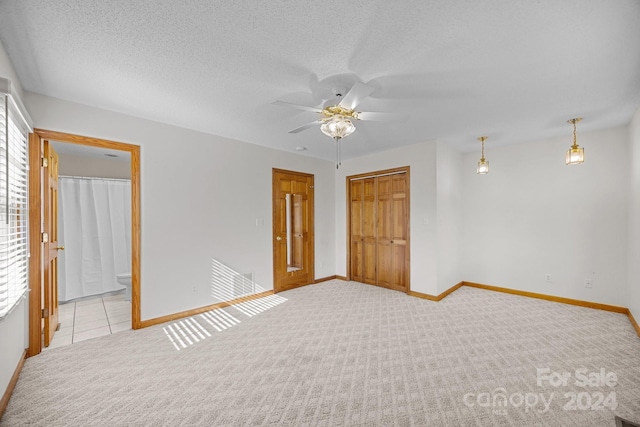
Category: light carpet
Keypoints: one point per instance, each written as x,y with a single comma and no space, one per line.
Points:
347,354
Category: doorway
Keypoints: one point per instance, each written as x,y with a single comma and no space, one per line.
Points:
378,228
293,239
43,307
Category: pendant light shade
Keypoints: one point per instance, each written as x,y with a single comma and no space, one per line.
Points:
337,127
575,154
483,164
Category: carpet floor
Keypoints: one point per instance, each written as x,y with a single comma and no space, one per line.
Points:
346,354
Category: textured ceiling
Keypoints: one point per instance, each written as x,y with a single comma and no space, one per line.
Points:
514,70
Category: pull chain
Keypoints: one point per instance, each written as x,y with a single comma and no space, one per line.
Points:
338,154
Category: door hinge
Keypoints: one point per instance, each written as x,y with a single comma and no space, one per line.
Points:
45,312
45,162
45,238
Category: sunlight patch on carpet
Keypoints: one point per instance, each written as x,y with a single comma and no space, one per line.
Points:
257,306
186,332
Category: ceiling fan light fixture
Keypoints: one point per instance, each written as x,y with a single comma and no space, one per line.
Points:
337,127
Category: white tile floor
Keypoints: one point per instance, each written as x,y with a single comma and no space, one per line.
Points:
92,317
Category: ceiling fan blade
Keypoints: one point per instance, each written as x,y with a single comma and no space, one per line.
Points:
305,127
381,117
297,106
356,95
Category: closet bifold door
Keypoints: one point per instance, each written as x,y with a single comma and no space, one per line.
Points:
356,239
379,230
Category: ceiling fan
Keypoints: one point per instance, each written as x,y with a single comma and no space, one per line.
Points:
338,114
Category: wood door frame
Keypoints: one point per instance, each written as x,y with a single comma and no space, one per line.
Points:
35,209
312,272
407,171
50,205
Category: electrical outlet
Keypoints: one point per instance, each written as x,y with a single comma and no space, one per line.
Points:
547,278
195,288
588,283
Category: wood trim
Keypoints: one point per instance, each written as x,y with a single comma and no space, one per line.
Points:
324,279
423,296
435,297
380,172
633,322
136,243
35,346
35,247
194,311
596,305
407,260
84,140
12,384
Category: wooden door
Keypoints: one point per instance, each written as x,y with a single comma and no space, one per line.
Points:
50,291
379,229
293,251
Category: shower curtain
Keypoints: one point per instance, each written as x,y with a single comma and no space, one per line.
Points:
94,225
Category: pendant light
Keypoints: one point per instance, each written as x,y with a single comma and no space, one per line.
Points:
483,164
575,154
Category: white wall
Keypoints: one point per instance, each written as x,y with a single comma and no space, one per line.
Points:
633,301
533,215
422,160
201,196
449,193
14,330
71,165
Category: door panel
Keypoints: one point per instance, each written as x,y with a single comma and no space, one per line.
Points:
369,234
384,243
292,229
356,245
297,238
50,192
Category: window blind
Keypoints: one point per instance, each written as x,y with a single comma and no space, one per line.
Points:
14,209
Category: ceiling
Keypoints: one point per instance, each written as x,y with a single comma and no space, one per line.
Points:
514,70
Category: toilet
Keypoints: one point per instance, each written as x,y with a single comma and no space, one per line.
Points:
125,280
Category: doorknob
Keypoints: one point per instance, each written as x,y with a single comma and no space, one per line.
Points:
60,248
278,238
